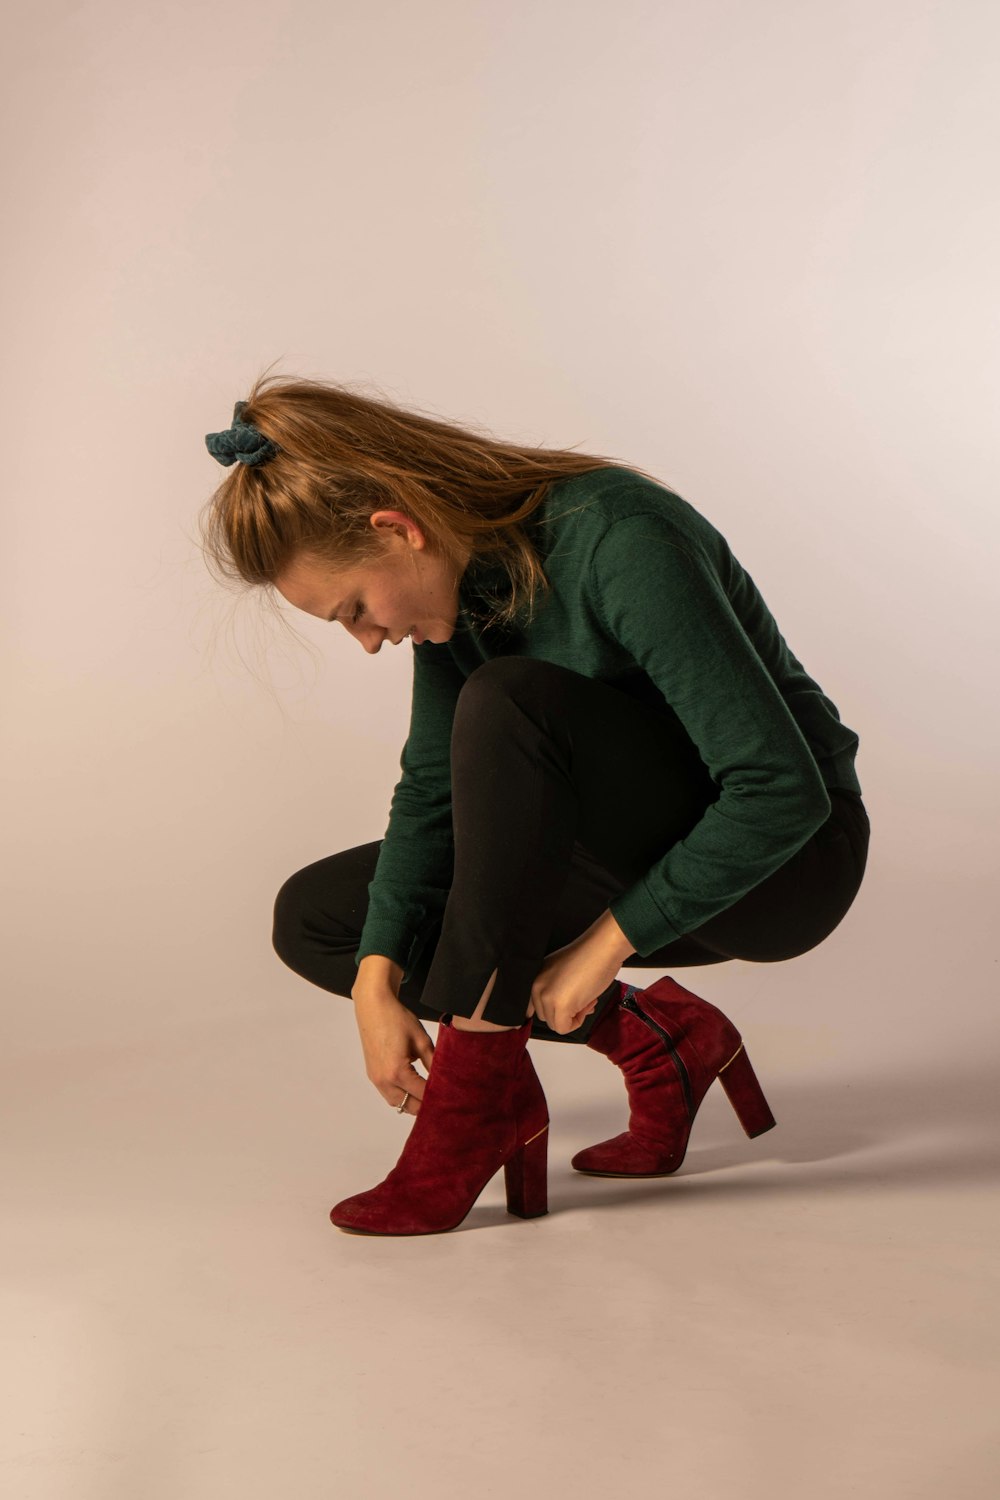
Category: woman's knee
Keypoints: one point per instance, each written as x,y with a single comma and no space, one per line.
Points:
321,909
288,924
501,682
506,673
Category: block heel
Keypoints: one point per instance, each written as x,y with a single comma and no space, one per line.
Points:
526,1177
745,1094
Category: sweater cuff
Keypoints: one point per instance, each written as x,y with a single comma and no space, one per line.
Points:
641,920
386,940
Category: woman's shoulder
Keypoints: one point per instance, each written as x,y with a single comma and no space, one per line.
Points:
588,505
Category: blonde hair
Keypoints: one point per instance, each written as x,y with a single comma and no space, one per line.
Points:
344,455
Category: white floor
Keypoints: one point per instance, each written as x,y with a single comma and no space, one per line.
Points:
813,1312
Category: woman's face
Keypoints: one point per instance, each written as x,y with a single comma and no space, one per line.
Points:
407,589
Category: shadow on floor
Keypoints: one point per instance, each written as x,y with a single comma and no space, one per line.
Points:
940,1126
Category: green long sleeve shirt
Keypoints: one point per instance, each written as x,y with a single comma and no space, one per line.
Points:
645,595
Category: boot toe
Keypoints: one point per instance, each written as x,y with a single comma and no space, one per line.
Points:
392,1209
626,1155
358,1212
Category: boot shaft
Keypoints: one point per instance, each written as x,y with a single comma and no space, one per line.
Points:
699,1038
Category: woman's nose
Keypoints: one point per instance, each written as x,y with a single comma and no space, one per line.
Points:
371,639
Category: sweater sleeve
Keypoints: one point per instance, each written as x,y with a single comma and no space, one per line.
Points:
662,600
413,874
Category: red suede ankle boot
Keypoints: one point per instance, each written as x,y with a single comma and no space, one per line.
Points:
483,1108
671,1046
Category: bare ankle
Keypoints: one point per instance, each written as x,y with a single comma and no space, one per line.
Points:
475,1022
466,1023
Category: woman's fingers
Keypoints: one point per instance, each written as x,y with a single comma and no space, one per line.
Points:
425,1047
420,1047
414,1084
391,1037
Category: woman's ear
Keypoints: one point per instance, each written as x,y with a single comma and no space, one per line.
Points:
401,525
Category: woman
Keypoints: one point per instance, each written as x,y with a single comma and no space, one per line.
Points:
613,760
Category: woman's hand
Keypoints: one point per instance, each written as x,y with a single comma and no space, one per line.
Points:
571,981
391,1038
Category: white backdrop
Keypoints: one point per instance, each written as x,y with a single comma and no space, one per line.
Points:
751,248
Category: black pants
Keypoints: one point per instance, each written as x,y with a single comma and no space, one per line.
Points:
564,791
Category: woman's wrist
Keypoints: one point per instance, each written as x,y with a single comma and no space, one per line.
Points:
376,975
608,937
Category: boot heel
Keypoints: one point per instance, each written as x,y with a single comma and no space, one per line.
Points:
525,1177
745,1094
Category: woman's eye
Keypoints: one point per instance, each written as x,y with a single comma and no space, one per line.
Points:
357,614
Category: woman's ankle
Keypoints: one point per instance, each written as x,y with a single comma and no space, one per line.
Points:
475,1022
466,1023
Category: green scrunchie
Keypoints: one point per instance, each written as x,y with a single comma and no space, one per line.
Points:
241,441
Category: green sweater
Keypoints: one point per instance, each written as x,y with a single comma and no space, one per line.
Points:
647,596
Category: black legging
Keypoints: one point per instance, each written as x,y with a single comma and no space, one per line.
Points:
564,791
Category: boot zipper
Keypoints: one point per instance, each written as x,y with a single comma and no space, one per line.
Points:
628,1002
